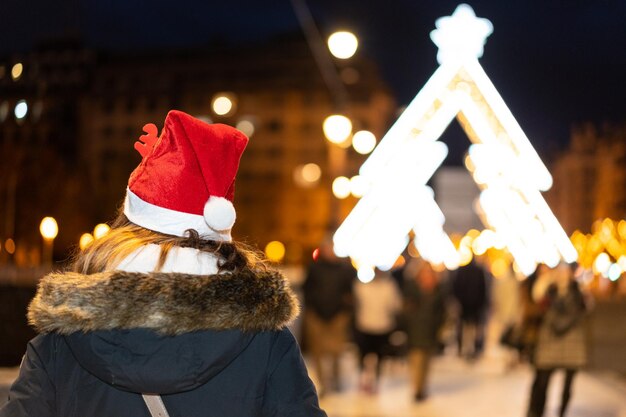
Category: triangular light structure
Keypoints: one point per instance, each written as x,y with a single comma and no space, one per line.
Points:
503,163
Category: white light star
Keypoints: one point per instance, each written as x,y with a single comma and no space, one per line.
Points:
460,36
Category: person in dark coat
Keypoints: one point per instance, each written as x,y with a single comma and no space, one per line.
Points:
424,311
328,304
469,288
165,306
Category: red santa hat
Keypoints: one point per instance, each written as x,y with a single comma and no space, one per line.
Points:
186,179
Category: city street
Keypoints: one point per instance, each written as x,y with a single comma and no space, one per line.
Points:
481,389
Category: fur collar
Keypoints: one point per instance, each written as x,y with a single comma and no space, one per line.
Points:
168,303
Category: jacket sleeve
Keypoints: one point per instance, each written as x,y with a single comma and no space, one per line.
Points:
33,392
289,390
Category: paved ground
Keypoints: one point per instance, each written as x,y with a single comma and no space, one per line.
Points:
481,389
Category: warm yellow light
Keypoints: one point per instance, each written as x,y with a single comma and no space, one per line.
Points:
307,175
311,172
341,187
602,263
364,142
223,104
400,262
479,246
48,228
413,252
621,229
343,44
622,262
469,164
16,71
499,268
614,248
465,255
100,230
85,240
358,186
9,246
275,251
337,128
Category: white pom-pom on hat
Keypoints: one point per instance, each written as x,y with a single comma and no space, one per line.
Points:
219,213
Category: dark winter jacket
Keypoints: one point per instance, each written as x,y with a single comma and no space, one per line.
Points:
210,345
328,288
424,315
469,288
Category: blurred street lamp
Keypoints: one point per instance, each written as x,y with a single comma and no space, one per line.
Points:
364,142
9,246
100,230
337,128
275,251
341,187
16,71
358,186
21,109
223,104
49,230
307,175
85,240
343,44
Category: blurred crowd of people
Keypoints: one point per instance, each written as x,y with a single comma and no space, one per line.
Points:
417,311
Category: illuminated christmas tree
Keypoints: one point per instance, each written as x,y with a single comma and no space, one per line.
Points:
502,161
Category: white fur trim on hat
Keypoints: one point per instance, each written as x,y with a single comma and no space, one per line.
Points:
219,213
179,260
170,222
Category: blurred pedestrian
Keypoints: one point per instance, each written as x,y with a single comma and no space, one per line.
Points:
424,312
328,304
166,312
470,290
506,314
377,306
531,311
561,341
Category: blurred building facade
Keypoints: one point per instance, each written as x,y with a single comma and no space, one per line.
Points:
590,177
86,109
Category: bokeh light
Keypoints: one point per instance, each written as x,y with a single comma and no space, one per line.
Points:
48,228
275,251
21,109
100,230
365,275
364,142
343,44
85,240
9,246
307,175
341,187
16,71
358,186
223,104
337,128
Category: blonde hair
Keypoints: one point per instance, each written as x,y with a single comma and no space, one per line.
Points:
105,253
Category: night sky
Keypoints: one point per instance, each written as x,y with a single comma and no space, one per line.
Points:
555,63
